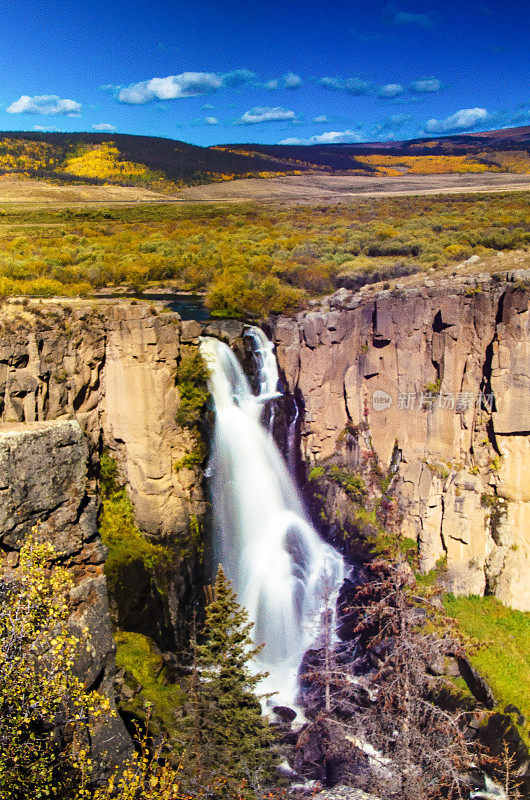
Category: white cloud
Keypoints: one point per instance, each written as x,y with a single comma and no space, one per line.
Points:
192,84
396,17
266,114
396,120
211,121
391,90
294,140
44,129
354,86
391,124
104,127
238,77
320,118
47,104
288,81
426,85
187,84
462,120
331,137
291,80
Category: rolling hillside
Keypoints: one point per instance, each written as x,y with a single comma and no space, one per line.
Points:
167,165
506,150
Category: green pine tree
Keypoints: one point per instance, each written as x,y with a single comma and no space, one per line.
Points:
231,735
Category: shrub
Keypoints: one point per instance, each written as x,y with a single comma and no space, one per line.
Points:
352,483
126,544
250,260
192,384
138,656
39,693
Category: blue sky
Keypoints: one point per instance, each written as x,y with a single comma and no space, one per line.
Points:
217,72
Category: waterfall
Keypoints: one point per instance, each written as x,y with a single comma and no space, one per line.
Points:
291,440
266,363
283,573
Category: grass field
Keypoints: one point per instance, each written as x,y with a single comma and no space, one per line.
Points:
251,259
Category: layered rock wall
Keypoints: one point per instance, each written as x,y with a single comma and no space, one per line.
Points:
114,369
440,376
43,480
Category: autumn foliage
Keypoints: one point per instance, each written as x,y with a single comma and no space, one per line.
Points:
249,260
46,712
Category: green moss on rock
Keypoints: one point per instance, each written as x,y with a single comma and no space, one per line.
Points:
146,675
192,385
126,544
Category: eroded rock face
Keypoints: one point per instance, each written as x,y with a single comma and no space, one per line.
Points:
114,369
139,409
43,479
411,364
442,376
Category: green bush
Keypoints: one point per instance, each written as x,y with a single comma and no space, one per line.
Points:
139,657
316,472
126,544
193,459
352,483
192,385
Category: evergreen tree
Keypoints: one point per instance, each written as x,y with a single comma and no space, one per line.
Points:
230,733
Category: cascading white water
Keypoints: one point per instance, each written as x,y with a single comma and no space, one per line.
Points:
282,572
266,361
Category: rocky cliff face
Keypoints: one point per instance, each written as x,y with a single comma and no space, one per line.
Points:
43,479
438,376
114,369
438,380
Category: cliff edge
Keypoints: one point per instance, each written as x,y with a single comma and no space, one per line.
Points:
437,379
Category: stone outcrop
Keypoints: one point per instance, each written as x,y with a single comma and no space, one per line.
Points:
114,369
440,376
43,479
139,409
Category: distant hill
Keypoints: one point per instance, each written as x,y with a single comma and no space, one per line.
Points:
120,158
503,150
167,164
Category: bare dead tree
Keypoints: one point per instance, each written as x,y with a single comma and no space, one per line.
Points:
384,699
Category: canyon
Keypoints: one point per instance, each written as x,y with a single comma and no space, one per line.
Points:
435,377
428,380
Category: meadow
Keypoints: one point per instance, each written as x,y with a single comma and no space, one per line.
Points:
249,259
